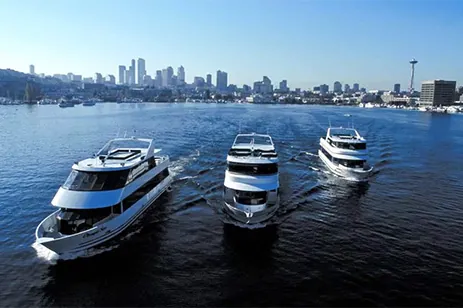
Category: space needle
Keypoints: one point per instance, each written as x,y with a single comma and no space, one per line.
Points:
412,63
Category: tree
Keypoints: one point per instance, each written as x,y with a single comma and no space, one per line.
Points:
208,94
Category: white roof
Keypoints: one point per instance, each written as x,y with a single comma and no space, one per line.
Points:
119,154
253,148
344,134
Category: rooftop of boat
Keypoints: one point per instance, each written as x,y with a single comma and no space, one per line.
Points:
344,134
253,145
119,154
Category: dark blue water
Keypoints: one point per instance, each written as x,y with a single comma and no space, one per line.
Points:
395,241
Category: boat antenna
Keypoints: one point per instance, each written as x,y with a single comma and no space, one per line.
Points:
125,134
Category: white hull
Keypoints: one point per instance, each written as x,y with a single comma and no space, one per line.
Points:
247,215
100,233
351,174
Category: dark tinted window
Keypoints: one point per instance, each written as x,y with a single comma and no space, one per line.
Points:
251,197
256,169
350,146
95,181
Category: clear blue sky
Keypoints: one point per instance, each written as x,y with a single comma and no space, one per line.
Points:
307,42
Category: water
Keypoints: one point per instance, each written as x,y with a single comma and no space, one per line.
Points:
394,241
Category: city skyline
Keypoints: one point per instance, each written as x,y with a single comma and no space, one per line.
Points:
310,48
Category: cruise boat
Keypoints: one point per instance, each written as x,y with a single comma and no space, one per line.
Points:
63,103
104,195
345,153
89,102
251,185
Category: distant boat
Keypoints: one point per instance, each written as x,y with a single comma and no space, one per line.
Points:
89,102
64,103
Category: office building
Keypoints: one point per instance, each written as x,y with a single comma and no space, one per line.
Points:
397,88
110,79
438,92
284,86
346,88
32,69
337,87
141,71
221,80
181,75
355,87
98,78
199,82
209,80
324,88
158,79
132,79
128,77
122,74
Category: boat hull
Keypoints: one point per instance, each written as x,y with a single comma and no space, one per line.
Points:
351,174
98,234
246,215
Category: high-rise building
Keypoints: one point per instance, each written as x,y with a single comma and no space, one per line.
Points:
147,80
141,71
397,88
346,88
181,75
88,80
437,92
132,79
77,78
70,76
209,80
32,69
199,81
284,86
158,79
221,80
98,78
110,79
337,87
355,87
165,80
122,74
324,88
128,77
170,74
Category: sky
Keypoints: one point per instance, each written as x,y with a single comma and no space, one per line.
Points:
307,42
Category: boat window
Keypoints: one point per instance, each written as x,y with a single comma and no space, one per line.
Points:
349,163
351,146
251,197
71,221
142,191
253,169
328,155
95,181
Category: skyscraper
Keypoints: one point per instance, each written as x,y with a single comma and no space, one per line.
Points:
122,74
284,86
98,78
127,76
397,88
324,88
32,69
337,87
158,79
181,75
346,88
141,71
132,79
209,80
222,80
165,80
355,87
170,73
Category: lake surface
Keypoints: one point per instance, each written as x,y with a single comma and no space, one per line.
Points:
395,241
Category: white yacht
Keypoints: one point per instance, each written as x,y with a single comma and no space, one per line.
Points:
251,185
345,153
103,195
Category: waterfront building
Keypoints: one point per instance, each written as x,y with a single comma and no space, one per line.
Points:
437,92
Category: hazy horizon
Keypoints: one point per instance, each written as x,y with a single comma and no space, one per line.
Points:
305,42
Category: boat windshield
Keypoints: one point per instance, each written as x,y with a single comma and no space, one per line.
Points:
96,181
253,169
245,139
123,144
349,146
